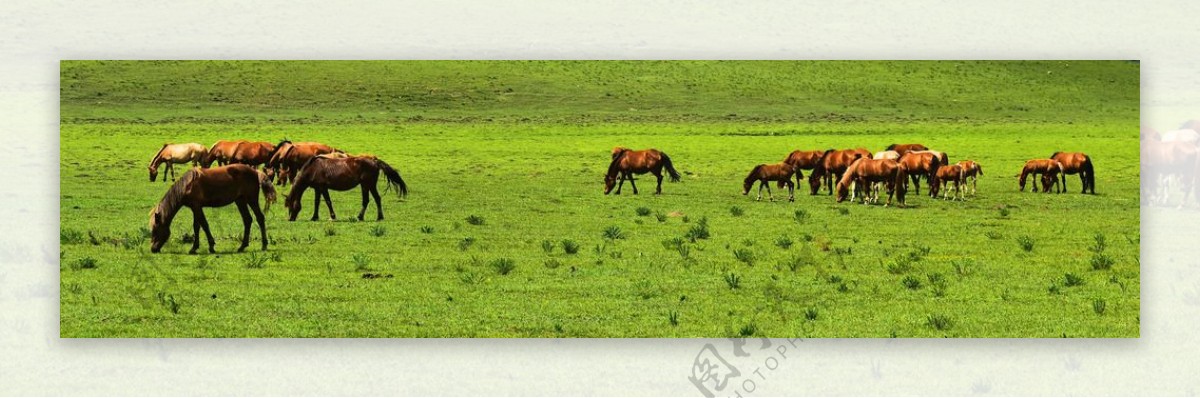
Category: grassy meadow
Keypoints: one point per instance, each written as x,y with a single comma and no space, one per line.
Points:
506,231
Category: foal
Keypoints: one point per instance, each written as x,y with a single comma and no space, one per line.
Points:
780,172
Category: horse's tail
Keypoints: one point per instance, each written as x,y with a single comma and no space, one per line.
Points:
1091,172
979,169
268,189
670,167
901,183
393,177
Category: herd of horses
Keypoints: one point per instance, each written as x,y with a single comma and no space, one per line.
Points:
854,174
237,180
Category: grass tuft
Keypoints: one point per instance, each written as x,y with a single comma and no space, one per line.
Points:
643,211
736,211
939,321
1026,242
503,265
569,246
733,281
613,232
475,220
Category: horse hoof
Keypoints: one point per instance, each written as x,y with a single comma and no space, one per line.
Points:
241,249
211,250
193,251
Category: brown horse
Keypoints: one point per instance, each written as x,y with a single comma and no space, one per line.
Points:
803,160
214,187
865,172
918,164
289,157
175,153
948,174
781,172
1037,167
252,153
832,165
342,174
220,152
1167,162
1077,163
973,171
903,149
626,163
942,158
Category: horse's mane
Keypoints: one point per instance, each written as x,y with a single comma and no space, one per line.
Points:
753,173
891,147
159,154
618,154
1055,154
173,199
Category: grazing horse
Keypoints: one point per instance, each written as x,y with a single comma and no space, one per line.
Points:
214,187
342,174
804,160
175,153
1037,167
832,165
903,149
252,153
627,162
952,173
942,158
973,171
289,157
220,152
1164,162
1077,163
781,172
917,164
865,172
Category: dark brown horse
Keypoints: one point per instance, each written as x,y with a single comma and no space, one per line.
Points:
866,172
341,174
252,153
918,164
627,162
1077,163
781,172
289,157
220,152
804,160
214,187
832,165
906,148
1038,167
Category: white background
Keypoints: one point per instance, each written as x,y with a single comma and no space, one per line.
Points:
34,37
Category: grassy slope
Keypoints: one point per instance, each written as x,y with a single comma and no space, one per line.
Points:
535,182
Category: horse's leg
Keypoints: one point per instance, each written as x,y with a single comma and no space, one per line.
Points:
242,208
365,201
632,184
760,188
770,196
791,190
620,183
195,232
262,223
378,203
316,204
658,174
1035,178
329,203
207,232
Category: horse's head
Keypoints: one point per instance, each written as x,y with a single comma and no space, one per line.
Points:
160,230
154,173
814,180
292,202
843,189
610,181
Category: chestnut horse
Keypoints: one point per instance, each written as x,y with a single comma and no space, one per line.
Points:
1039,167
865,172
917,164
942,158
214,187
342,174
220,152
952,173
289,157
973,171
903,149
1077,163
804,160
175,153
832,165
252,153
781,172
627,162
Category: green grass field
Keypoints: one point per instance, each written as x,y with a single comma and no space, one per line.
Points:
523,147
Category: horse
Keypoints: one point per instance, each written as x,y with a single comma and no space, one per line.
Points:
803,160
921,164
175,153
289,157
942,158
1077,163
781,172
220,152
342,174
952,173
865,172
1165,161
893,155
627,162
252,153
903,149
832,165
213,187
973,171
1037,167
